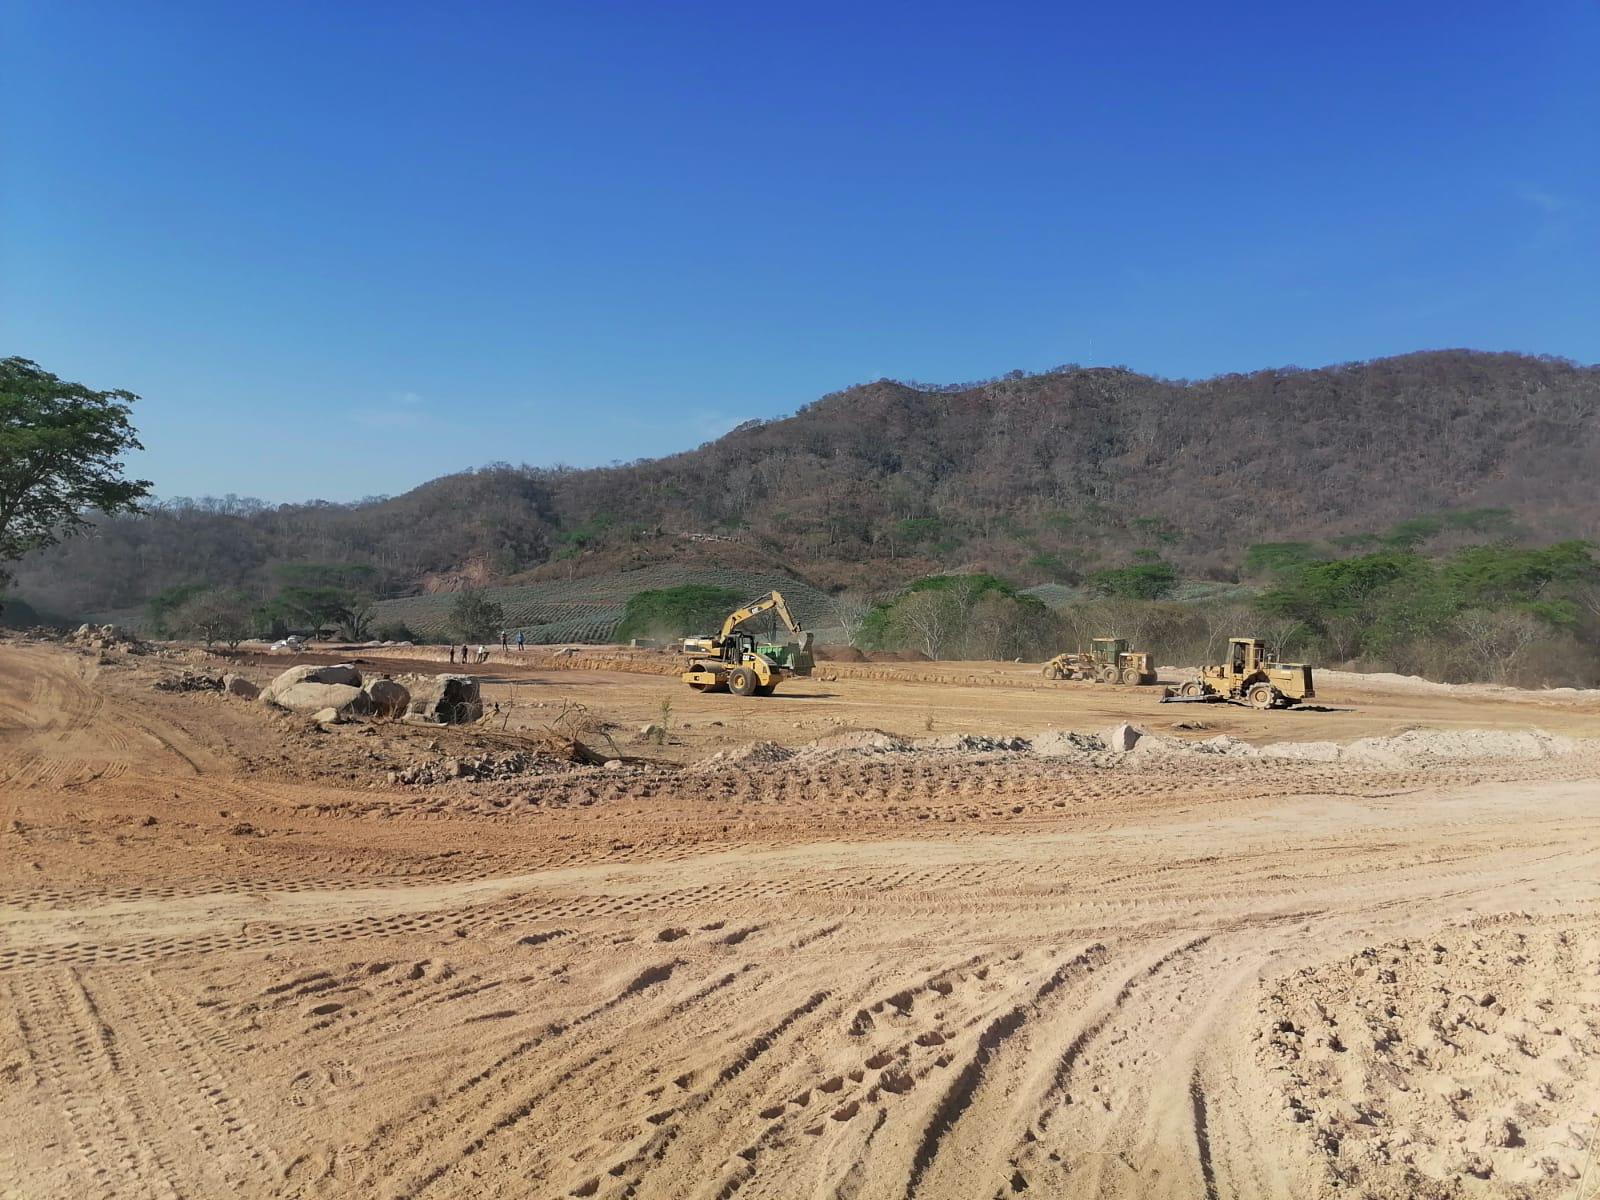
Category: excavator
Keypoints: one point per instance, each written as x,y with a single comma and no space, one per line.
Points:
742,664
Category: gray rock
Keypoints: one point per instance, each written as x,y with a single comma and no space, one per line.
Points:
1122,738
309,697
342,675
238,685
388,698
446,699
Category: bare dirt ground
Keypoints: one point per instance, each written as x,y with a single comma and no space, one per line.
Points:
241,957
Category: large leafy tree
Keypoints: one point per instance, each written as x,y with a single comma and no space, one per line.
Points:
61,448
476,618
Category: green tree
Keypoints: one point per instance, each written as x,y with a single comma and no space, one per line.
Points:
215,615
1508,574
159,609
673,612
476,618
61,448
1141,581
310,607
1272,558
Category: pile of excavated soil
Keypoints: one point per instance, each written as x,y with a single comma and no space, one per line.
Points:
1415,684
1058,743
974,743
1420,745
864,741
1108,748
1467,1063
750,754
839,654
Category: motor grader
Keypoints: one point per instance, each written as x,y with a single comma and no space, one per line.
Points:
1108,660
743,664
1249,677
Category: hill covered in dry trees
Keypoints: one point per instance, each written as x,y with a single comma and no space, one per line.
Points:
1039,477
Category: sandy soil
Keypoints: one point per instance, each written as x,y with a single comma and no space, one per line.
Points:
239,957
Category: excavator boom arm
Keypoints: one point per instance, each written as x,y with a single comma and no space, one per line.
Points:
772,601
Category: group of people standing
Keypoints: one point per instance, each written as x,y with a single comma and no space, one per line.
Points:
480,654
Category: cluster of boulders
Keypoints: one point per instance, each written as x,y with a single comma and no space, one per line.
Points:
104,637
336,693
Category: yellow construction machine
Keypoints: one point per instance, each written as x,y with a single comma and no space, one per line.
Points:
1248,677
1108,660
743,664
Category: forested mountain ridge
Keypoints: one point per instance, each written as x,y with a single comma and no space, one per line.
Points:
1040,477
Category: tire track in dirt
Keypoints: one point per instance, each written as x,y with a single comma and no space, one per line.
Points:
95,1106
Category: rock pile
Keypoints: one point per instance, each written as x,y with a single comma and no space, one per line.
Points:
484,766
188,681
106,637
340,690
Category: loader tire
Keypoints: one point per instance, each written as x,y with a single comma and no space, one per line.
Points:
1192,688
1130,676
742,681
1262,695
1052,671
1108,675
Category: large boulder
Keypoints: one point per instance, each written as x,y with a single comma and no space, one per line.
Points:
446,699
1122,738
389,699
342,675
312,697
238,685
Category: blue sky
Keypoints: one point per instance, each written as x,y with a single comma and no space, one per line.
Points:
341,249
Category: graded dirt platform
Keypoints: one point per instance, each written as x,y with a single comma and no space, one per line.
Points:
241,956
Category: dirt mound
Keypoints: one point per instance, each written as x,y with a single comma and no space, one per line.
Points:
974,743
1424,745
1222,745
864,741
838,654
1388,681
750,754
1466,743
1060,743
897,656
508,765
1462,1064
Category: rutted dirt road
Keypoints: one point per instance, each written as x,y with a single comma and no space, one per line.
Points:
908,975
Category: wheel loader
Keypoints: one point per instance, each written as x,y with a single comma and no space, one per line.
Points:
743,664
1248,677
1108,660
